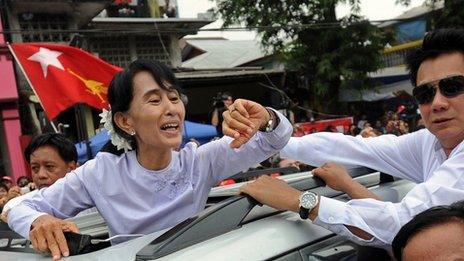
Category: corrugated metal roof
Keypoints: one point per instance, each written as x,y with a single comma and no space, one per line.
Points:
224,73
414,12
221,53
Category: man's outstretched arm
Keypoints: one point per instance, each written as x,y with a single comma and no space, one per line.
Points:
367,221
336,177
278,194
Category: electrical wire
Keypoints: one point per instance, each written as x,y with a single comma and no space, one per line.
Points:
162,42
292,104
314,25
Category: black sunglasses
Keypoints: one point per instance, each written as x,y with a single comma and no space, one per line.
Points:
449,87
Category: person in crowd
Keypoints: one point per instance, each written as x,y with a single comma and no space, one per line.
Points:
379,127
7,181
435,234
23,181
432,157
166,186
3,192
362,121
50,156
7,194
354,130
330,128
392,127
403,127
221,103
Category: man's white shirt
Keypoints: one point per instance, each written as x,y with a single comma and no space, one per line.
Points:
417,157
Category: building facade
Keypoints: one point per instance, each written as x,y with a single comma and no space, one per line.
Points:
118,40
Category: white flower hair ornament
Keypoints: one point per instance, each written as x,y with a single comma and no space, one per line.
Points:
116,139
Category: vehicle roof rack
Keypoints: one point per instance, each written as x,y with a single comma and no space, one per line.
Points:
12,241
267,171
218,219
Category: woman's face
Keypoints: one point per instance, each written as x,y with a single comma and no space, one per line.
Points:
155,114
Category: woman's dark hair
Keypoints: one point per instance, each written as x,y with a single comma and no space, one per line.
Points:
121,92
58,141
425,220
435,43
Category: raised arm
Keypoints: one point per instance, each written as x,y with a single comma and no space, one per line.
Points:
40,218
229,156
368,221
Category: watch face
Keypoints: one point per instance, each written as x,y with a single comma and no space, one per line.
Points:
308,200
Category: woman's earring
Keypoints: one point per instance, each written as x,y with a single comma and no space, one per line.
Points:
132,133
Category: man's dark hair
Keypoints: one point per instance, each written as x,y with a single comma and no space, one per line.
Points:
21,178
436,43
63,146
425,220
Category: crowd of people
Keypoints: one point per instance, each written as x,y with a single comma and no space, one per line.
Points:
169,185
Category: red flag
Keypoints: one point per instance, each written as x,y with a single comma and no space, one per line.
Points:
62,76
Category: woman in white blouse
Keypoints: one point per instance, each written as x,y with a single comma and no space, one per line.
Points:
143,185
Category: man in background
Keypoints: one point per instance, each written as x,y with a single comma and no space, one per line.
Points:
222,101
51,156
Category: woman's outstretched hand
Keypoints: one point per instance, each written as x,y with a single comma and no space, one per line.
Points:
242,120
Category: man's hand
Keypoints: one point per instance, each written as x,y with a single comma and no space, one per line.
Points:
242,120
337,177
334,175
47,235
273,192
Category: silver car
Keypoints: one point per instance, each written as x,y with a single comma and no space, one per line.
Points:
234,229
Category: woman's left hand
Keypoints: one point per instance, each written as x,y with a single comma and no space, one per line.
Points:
242,120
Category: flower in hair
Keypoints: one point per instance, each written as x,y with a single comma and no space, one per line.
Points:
116,139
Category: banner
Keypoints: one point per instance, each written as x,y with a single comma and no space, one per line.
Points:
62,76
342,125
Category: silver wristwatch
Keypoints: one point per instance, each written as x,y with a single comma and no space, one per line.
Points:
308,200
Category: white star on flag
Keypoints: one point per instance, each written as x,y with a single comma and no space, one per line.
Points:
46,57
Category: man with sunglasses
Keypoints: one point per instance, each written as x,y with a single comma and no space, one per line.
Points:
432,157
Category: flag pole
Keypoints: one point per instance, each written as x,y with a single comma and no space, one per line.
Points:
28,81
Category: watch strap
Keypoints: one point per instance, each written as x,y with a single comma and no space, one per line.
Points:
274,120
304,213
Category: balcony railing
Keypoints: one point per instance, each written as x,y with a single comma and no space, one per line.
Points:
395,55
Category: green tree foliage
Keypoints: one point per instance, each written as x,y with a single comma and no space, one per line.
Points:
330,52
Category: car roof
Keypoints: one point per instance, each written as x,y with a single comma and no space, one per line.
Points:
261,218
273,235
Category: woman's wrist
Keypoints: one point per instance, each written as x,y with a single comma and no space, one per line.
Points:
271,121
